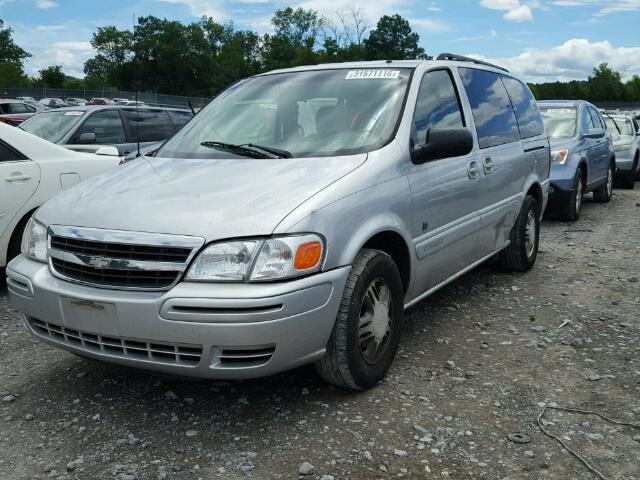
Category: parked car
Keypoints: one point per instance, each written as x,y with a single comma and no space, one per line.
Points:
27,99
99,101
14,112
75,101
32,171
79,127
53,103
279,230
582,156
626,144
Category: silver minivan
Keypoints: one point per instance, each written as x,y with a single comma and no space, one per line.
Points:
292,222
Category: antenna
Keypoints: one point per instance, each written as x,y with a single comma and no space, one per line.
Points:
137,123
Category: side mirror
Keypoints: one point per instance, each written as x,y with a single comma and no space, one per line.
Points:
109,151
443,143
594,133
87,138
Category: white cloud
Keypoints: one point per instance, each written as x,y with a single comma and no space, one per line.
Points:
69,55
521,14
46,4
515,11
573,60
372,10
429,25
604,7
198,8
49,28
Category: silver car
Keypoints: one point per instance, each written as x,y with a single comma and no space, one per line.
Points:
292,222
626,144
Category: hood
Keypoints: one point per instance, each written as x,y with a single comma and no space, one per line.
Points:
208,198
562,143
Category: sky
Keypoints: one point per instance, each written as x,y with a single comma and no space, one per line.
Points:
540,40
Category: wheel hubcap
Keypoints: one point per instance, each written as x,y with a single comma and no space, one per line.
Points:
530,234
374,326
579,196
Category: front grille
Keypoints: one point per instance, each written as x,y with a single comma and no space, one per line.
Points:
115,278
120,250
120,259
133,349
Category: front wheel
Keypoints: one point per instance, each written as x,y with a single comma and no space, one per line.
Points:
605,192
521,253
366,333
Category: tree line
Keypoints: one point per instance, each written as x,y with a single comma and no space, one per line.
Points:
205,56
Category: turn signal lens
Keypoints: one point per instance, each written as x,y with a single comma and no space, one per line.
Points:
308,256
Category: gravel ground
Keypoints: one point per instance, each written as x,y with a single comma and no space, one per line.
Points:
478,362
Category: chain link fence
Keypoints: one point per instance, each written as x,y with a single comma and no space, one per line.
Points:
146,97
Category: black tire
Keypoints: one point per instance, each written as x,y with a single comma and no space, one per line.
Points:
572,209
519,255
628,179
345,363
637,161
15,242
605,192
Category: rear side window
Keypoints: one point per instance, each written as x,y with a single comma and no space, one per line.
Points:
525,107
20,108
437,106
153,125
179,119
106,125
8,154
492,111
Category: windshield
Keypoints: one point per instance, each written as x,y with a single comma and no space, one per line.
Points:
623,124
309,114
52,126
559,122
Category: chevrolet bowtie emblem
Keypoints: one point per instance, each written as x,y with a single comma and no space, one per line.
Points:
99,262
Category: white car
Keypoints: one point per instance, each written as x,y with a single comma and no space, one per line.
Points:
33,170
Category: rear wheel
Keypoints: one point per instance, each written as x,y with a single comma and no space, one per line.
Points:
521,253
367,329
605,192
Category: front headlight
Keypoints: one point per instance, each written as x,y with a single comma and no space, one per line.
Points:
559,156
34,241
259,259
622,147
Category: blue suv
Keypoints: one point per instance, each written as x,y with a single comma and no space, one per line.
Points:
582,155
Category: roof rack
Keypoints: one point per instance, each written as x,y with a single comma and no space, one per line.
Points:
460,58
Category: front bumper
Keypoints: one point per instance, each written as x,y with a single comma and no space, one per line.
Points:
195,329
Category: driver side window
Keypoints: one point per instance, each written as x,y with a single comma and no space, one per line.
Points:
586,121
437,106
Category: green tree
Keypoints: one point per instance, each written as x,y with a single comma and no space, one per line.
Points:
114,53
51,77
605,84
632,89
11,59
393,39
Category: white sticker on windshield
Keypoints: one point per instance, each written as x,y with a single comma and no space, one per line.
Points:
558,110
74,113
372,74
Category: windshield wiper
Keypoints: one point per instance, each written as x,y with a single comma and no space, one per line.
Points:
248,150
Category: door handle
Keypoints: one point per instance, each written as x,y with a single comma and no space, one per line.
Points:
472,169
487,165
18,178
